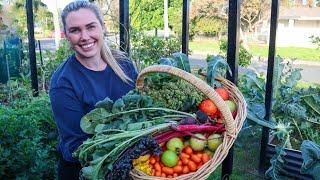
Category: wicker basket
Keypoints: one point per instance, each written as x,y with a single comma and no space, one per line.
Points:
233,125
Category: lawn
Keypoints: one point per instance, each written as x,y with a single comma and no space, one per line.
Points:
245,157
205,46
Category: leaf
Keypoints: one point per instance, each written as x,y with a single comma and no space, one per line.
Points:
182,61
276,170
293,78
106,103
312,103
167,61
277,72
118,106
89,122
311,159
217,66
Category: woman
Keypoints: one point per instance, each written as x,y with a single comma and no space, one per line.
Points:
91,74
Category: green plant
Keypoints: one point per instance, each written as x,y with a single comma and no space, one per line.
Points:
244,55
147,50
315,40
28,139
291,104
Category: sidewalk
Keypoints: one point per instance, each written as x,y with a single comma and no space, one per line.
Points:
310,70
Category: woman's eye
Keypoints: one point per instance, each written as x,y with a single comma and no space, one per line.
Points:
91,27
74,30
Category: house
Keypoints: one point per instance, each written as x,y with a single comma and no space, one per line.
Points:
297,24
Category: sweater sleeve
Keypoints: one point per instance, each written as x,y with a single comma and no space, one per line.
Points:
67,111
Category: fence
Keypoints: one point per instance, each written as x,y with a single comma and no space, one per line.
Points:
11,55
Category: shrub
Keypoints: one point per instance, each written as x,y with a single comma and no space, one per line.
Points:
28,139
244,55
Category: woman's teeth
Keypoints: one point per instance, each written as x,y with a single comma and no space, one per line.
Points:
87,45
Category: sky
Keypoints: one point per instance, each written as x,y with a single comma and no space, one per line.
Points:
60,3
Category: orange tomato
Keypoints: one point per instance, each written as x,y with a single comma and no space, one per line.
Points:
158,173
157,167
188,150
163,175
152,160
180,163
192,166
167,170
185,161
184,155
199,155
224,94
195,158
185,170
175,175
205,158
199,165
157,158
177,169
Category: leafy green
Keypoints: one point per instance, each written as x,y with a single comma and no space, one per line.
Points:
311,159
217,67
276,170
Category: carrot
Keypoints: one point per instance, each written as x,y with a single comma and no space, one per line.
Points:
200,128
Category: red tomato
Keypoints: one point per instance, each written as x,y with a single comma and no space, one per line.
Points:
224,94
208,107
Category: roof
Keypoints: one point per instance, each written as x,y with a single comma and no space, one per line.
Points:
300,13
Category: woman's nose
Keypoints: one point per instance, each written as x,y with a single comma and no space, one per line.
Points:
84,35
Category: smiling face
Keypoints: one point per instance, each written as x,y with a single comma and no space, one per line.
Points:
84,33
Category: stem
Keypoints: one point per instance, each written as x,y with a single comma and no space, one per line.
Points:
145,109
295,123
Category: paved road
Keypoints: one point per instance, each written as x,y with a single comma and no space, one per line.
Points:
310,71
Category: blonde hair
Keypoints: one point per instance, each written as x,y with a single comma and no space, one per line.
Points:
107,55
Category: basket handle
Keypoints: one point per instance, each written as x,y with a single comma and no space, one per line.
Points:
200,85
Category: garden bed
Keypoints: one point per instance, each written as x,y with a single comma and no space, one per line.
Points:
293,162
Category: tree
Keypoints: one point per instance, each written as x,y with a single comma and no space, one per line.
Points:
18,14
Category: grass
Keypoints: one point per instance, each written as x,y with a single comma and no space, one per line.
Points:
245,158
212,47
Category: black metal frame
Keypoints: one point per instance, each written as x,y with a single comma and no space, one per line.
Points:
32,48
232,58
269,85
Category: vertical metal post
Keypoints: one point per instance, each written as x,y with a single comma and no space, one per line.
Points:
269,85
124,25
32,49
232,58
40,51
185,27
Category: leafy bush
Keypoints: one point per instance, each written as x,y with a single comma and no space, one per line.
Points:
295,108
315,40
147,50
244,55
28,138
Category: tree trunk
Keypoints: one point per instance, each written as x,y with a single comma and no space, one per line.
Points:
57,30
166,19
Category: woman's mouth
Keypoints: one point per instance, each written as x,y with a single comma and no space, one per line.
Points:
87,47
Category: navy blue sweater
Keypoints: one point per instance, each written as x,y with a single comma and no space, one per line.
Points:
74,91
